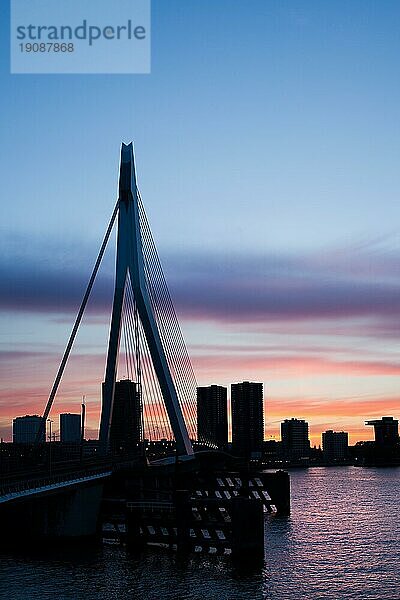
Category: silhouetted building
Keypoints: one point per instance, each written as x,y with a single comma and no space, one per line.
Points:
125,430
247,418
295,442
335,446
271,450
386,431
25,429
70,428
212,416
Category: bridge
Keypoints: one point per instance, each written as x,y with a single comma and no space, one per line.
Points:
28,487
159,397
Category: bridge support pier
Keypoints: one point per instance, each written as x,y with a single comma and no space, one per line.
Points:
247,529
183,509
134,540
278,485
67,514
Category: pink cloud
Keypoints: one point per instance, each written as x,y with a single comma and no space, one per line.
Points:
291,366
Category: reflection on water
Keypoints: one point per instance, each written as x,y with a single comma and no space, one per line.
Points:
341,541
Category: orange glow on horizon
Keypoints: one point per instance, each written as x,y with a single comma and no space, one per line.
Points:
26,391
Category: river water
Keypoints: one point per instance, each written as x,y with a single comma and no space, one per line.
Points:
342,541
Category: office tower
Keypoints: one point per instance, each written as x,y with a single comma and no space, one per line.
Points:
386,431
247,418
295,442
212,416
70,428
125,430
25,429
335,446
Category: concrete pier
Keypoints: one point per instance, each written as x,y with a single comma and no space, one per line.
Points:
278,486
66,514
247,529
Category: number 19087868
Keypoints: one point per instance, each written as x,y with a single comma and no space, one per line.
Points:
46,47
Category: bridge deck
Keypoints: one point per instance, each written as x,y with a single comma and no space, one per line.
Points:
41,485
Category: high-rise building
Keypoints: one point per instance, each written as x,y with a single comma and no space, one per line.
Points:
247,418
335,446
70,428
212,416
125,430
295,442
386,431
25,429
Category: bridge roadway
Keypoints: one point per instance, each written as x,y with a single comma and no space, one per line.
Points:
31,486
61,503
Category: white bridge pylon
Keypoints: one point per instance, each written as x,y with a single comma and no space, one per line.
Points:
130,260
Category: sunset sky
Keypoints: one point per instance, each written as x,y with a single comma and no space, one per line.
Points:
267,141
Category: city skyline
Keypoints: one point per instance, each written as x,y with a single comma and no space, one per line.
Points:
202,437
282,255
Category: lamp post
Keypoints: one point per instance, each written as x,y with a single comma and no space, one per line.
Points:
50,422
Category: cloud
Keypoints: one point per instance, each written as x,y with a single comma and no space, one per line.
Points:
291,366
311,408
46,276
255,289
358,282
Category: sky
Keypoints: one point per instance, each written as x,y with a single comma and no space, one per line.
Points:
267,146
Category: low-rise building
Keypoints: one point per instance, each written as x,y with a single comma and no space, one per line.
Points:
25,429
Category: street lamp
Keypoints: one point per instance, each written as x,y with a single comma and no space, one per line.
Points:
50,422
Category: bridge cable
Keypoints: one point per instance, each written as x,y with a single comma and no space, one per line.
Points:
76,325
152,401
163,305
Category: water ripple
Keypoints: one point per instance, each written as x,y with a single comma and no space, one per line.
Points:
342,541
